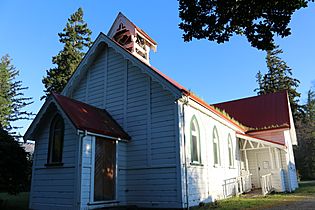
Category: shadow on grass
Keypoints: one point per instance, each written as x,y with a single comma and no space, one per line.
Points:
16,202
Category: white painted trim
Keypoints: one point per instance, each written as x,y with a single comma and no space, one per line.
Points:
93,139
32,178
88,58
92,202
116,172
177,149
271,159
40,115
213,115
183,154
253,139
78,187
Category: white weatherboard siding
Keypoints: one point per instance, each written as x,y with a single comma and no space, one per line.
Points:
54,187
148,170
291,168
205,181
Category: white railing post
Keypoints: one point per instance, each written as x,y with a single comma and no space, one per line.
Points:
266,185
237,185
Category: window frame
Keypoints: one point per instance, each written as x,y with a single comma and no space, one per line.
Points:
231,154
196,133
215,136
51,146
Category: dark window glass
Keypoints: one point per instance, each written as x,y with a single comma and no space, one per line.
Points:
56,140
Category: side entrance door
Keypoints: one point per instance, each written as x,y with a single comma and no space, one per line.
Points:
105,170
263,164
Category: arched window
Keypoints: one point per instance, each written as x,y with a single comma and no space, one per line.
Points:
216,147
194,141
230,149
56,140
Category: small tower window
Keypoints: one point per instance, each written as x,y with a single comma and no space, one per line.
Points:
56,138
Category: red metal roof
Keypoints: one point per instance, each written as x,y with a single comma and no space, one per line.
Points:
261,112
90,118
277,116
180,87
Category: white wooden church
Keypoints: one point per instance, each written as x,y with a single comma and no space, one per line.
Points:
123,133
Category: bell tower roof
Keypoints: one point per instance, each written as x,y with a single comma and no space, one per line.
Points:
132,38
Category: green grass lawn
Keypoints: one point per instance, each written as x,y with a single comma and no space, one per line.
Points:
305,191
10,202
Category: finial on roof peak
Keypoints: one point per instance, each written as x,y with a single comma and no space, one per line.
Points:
132,38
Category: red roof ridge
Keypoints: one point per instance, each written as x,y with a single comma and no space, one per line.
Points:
251,97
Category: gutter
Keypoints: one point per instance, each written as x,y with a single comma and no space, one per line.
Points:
185,157
80,165
102,135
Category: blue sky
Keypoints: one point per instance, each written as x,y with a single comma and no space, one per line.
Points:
214,72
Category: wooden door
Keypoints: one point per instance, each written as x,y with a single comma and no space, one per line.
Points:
105,170
263,164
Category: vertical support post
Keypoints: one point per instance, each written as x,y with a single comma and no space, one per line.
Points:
271,159
246,160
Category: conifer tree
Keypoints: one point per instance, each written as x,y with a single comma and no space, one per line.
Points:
13,163
76,38
305,151
278,77
12,99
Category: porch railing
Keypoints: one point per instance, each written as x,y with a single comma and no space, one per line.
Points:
266,184
237,185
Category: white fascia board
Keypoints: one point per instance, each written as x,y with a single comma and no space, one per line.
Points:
37,119
40,114
88,58
213,115
253,139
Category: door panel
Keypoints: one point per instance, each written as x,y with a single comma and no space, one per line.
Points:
105,170
263,164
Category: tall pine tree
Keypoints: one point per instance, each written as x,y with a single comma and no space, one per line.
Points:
76,38
12,99
278,77
305,151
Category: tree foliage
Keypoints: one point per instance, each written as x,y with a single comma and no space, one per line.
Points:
278,77
305,151
219,20
75,37
12,99
14,164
